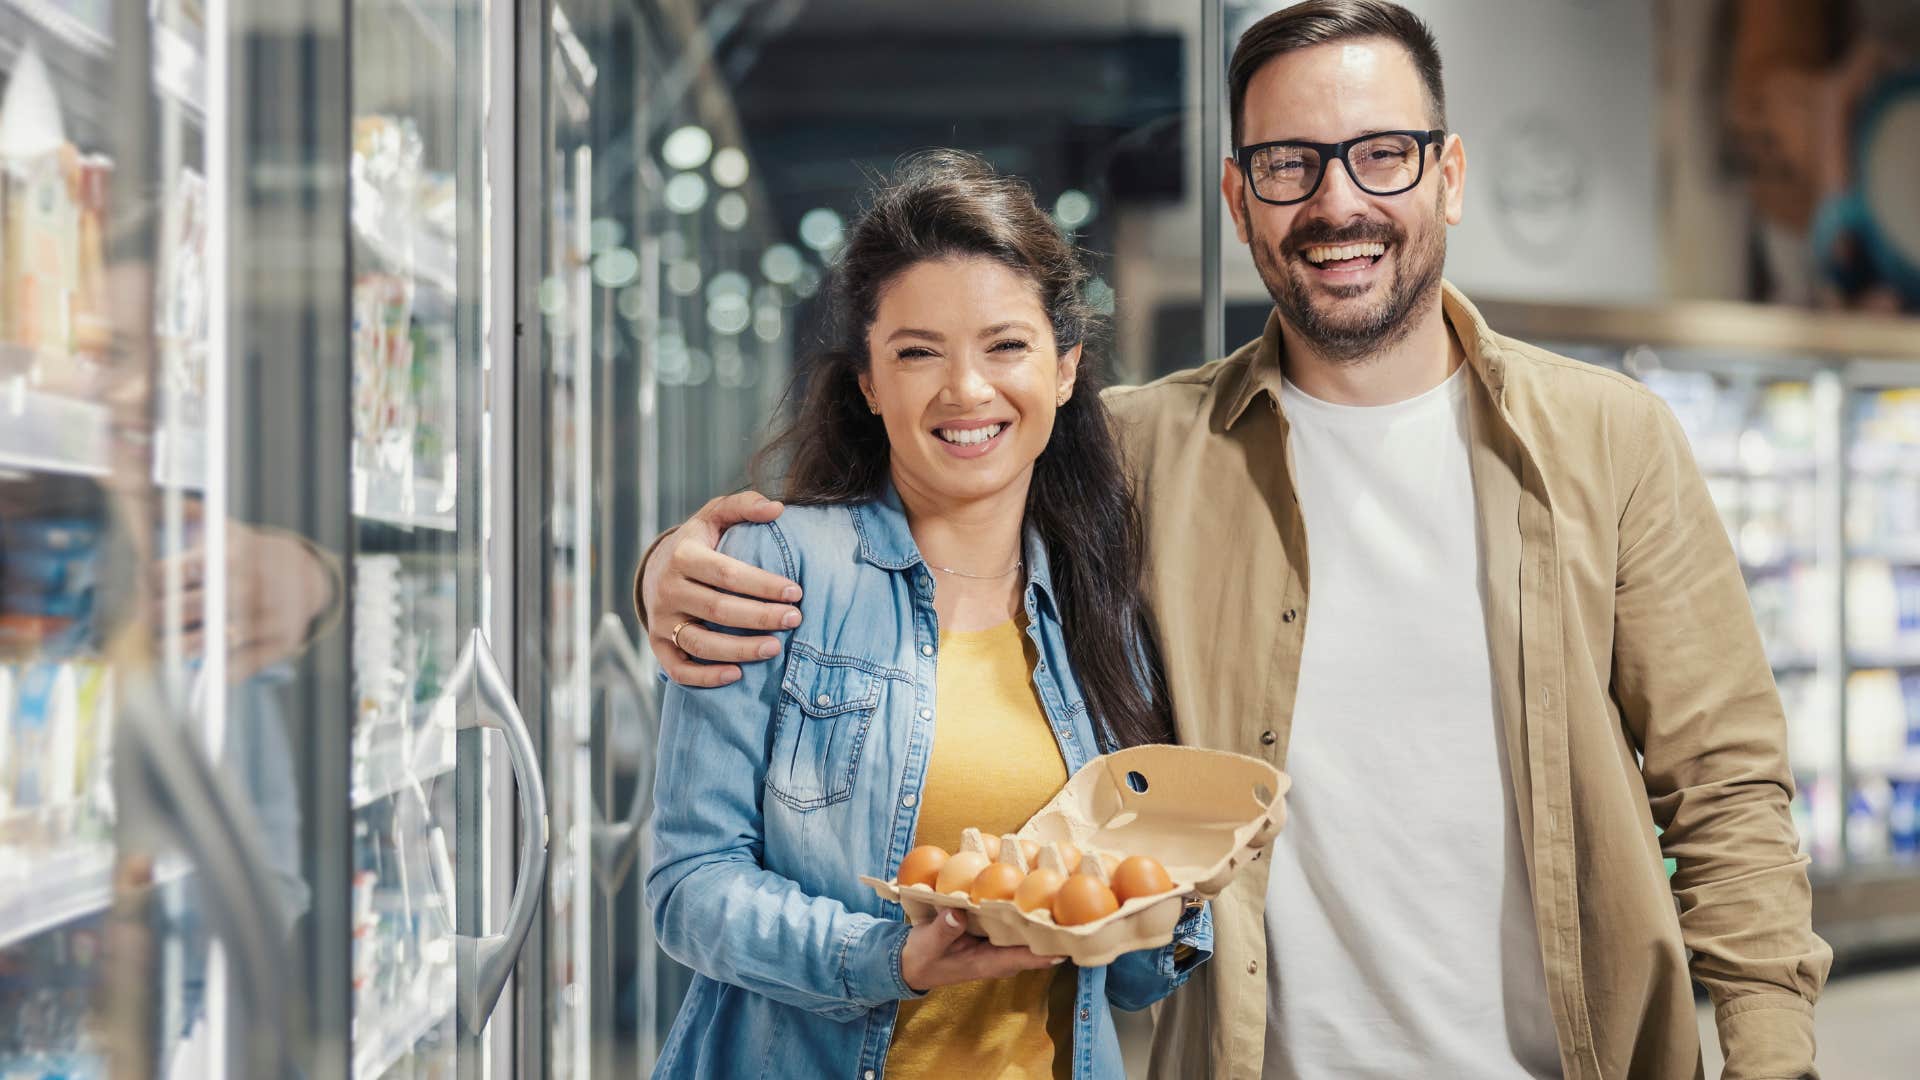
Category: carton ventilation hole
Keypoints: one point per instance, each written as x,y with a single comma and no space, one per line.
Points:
1137,782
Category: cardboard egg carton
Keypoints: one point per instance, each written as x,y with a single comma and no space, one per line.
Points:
1202,814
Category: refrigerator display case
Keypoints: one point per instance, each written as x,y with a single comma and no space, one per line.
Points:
1806,427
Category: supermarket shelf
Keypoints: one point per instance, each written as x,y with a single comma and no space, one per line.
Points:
390,1041
1897,657
1898,552
408,503
51,434
426,256
56,891
394,781
63,26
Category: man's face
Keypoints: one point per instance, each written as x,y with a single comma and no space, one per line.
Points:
1347,308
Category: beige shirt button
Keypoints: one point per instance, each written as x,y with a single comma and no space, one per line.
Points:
1253,967
1289,615
1268,738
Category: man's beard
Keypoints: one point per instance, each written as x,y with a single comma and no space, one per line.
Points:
1417,265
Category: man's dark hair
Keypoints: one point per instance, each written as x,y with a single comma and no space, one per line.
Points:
1320,22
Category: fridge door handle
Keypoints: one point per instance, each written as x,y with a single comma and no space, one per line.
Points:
616,843
485,963
169,787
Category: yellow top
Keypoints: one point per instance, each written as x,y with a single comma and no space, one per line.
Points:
994,765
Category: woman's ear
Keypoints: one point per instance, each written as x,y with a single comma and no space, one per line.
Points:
1069,372
865,380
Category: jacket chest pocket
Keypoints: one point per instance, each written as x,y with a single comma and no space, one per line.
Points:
826,706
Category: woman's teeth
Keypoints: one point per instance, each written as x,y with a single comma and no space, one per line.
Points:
1343,252
969,436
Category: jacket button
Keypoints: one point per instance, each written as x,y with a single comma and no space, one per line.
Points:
926,650
1086,1015
909,799
823,700
1288,615
926,714
1268,738
868,1075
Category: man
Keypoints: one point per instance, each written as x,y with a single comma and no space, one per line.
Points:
1528,641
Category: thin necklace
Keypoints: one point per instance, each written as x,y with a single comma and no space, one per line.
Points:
978,577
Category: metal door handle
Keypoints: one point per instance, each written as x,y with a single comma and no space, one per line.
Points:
485,963
616,843
168,787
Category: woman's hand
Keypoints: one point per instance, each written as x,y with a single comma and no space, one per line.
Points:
941,953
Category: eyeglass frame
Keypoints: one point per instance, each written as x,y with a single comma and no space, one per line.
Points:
1243,157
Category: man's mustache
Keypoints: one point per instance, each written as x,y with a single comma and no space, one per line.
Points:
1316,233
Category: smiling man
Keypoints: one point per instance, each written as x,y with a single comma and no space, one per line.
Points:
1526,643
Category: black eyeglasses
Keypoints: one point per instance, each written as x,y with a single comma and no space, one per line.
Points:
1380,163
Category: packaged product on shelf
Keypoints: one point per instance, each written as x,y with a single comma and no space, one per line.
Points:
39,176
1876,720
92,332
1903,818
382,373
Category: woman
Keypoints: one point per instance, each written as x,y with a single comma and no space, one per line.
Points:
970,635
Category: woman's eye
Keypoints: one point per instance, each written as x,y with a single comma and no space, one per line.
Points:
1010,344
915,353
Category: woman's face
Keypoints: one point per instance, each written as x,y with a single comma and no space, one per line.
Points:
965,376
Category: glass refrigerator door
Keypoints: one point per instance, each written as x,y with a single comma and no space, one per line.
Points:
149,847
1883,622
602,714
443,888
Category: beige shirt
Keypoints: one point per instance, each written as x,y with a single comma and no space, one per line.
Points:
1632,685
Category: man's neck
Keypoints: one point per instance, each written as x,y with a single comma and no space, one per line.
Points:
1418,362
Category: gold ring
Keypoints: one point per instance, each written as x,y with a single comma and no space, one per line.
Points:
675,636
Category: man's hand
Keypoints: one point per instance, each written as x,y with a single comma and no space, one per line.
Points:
941,953
687,582
277,588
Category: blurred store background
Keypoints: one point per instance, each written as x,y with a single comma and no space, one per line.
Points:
375,338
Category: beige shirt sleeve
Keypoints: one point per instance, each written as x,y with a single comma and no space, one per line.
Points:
1697,695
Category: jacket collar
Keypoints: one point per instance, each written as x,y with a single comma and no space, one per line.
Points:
886,541
1262,374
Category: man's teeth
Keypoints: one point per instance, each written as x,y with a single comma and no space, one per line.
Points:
1341,252
970,436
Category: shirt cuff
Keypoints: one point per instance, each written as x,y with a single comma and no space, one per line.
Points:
872,963
1192,943
1766,1037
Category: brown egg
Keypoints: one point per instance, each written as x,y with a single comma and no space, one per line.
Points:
1082,900
1037,889
960,870
1140,875
996,882
1031,849
992,843
922,865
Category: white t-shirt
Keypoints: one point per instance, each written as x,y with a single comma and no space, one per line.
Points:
1400,930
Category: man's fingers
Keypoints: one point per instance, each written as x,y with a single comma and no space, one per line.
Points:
684,670
729,510
703,565
703,644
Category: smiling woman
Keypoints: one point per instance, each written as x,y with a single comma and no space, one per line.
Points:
970,634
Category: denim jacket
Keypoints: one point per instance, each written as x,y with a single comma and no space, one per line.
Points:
776,793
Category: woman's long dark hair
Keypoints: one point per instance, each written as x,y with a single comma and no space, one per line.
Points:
942,204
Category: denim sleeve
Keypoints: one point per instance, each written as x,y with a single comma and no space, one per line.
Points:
715,908
1138,979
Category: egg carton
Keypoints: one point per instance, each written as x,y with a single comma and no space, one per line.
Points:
1202,814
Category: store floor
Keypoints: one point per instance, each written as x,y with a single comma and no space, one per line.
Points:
1867,1026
